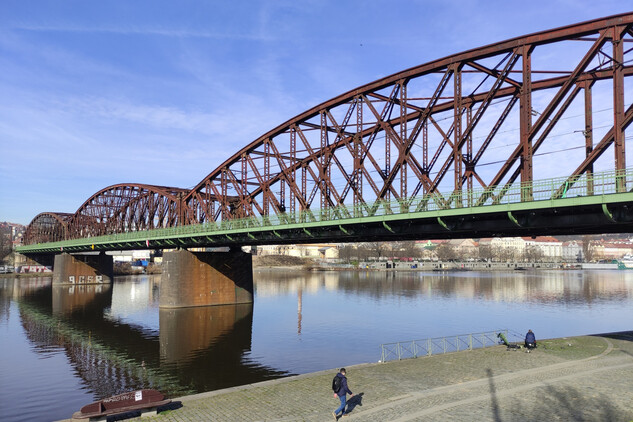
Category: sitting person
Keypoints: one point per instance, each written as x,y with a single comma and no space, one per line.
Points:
530,340
509,346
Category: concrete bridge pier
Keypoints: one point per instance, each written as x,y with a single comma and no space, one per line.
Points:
206,278
82,269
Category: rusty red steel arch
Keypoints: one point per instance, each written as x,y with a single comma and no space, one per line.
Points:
403,135
47,227
127,207
490,117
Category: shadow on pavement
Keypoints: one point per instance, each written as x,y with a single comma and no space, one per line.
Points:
493,396
137,414
357,400
622,335
570,404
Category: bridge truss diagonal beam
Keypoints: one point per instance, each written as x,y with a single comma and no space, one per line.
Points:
493,117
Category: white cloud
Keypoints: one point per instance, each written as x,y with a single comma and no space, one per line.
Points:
148,30
90,100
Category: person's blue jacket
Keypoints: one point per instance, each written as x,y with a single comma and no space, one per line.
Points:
344,389
529,338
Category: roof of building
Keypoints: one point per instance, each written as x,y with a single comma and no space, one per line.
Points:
618,245
541,239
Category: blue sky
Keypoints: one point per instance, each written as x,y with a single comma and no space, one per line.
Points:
161,92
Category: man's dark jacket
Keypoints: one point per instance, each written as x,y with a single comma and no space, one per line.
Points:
344,390
529,338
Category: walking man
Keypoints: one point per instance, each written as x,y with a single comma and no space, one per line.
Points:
343,391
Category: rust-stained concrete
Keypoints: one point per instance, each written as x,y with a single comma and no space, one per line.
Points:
206,278
82,269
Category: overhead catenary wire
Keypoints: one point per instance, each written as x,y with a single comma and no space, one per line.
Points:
275,167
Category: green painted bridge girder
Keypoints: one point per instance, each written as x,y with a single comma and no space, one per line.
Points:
384,221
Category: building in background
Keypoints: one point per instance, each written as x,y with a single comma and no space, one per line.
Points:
549,248
616,249
465,248
572,251
502,248
313,251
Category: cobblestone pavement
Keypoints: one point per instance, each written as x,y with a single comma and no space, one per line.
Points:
582,378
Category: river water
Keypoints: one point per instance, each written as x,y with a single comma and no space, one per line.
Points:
63,347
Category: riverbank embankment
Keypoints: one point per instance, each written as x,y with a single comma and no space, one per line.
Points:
272,262
585,378
26,275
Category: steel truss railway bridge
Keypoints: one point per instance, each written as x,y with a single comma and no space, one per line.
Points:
449,148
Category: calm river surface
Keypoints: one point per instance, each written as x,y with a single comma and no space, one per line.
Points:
63,347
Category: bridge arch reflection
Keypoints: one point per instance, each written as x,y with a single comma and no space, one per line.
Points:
196,349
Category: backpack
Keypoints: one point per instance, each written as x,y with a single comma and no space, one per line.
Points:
336,383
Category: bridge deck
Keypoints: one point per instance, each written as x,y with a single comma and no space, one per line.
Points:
558,206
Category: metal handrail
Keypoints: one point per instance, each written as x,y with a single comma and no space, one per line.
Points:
438,345
603,183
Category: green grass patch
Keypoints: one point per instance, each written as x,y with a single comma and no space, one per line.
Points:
573,348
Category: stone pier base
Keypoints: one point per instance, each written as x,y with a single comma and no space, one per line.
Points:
82,269
206,278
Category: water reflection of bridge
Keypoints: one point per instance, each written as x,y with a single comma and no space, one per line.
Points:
197,349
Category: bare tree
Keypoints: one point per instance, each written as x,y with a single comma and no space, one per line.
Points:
510,254
396,249
348,252
463,254
587,251
410,250
376,249
365,252
533,253
445,252
5,242
503,254
485,252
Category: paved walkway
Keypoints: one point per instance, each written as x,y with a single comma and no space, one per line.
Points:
581,379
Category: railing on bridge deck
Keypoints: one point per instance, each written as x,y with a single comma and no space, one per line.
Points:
600,184
562,187
584,186
438,345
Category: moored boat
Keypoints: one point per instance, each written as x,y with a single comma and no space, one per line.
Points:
626,263
143,400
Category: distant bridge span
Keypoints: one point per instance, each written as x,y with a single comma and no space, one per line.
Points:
449,148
